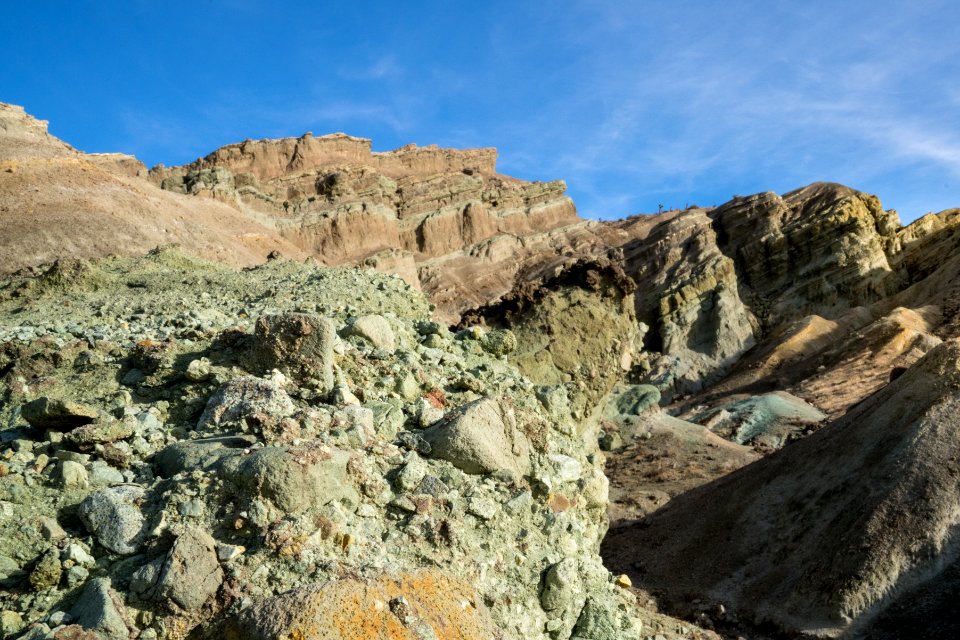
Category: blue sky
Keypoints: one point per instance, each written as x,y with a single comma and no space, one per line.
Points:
634,104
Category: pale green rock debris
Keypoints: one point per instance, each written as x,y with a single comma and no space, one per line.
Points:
298,482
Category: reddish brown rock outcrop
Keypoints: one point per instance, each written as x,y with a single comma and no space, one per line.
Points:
345,204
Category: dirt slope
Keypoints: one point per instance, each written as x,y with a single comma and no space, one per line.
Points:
58,202
830,531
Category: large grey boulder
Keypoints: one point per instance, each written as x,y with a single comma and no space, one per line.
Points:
114,517
481,437
100,609
298,344
205,454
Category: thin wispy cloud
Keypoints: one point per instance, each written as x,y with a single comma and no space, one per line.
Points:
385,67
715,108
633,104
915,142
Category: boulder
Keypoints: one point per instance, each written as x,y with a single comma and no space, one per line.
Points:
481,437
499,342
374,329
292,479
414,606
298,344
206,453
58,414
103,430
100,609
190,573
113,516
70,475
247,398
47,571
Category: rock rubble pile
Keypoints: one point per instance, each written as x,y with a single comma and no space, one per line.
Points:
287,451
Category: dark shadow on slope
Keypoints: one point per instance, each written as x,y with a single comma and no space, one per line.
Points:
931,612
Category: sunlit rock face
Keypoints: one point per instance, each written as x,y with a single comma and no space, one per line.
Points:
448,211
824,249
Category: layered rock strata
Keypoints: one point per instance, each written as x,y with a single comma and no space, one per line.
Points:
57,202
336,198
823,248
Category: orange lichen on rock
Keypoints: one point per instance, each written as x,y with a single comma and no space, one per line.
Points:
400,607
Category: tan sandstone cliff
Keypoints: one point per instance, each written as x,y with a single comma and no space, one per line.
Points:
445,213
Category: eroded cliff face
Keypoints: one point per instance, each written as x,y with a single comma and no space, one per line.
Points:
844,295
345,204
688,295
824,248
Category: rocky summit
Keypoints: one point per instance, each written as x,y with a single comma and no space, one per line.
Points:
302,389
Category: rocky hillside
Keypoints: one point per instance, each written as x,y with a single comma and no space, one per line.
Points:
759,397
829,532
288,451
714,284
